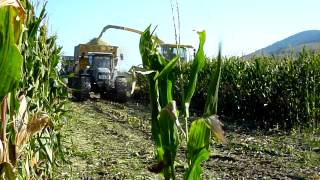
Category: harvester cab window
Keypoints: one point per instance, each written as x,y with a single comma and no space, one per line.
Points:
171,52
102,61
182,53
167,52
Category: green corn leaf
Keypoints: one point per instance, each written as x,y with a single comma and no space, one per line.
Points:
148,51
35,25
166,82
194,171
169,137
144,45
199,136
167,119
34,28
11,59
151,63
197,148
211,106
168,68
163,61
155,109
198,64
165,91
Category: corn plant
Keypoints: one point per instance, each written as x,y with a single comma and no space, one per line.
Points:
200,130
31,92
11,21
164,113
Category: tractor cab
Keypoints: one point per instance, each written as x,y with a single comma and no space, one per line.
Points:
169,51
102,67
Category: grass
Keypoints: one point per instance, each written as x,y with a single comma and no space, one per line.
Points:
110,140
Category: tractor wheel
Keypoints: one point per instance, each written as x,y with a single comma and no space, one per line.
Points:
121,88
81,88
105,95
79,95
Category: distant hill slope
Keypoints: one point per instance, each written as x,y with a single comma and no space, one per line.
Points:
309,39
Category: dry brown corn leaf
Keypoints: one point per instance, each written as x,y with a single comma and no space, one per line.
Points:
216,127
38,122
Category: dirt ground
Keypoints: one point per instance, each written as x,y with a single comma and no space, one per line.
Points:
107,140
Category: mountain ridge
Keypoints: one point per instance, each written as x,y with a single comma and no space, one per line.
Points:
309,39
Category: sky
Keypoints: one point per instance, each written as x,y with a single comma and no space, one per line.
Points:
242,26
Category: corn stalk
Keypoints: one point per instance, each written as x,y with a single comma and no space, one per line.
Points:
164,114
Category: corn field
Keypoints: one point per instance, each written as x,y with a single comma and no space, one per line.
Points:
31,91
186,100
262,92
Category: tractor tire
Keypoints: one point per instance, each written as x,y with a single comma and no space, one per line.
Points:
79,95
106,95
121,88
81,88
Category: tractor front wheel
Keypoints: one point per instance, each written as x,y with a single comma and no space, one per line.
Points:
121,87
